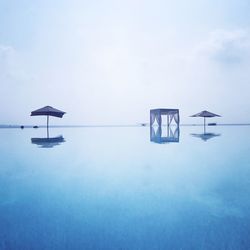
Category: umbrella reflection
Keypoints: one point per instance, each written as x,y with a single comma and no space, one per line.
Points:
206,136
172,134
48,142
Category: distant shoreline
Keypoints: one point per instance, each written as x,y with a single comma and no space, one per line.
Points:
110,125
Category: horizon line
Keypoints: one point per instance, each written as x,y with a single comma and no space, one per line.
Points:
117,125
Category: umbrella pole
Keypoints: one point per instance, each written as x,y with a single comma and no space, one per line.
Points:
204,125
47,126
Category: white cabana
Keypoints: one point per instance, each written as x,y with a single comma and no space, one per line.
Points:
172,114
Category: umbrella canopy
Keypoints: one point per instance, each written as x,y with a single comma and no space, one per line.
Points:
205,113
48,110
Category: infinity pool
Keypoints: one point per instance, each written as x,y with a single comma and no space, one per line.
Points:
119,188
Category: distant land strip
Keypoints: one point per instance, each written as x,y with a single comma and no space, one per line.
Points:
113,125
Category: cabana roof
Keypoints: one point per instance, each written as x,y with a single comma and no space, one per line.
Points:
165,111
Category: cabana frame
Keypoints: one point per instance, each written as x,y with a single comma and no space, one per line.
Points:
172,114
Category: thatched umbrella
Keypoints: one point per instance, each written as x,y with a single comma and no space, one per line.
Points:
48,111
205,114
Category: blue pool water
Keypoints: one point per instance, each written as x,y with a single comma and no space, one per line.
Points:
114,188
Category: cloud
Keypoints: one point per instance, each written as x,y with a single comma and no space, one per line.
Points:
227,46
5,50
6,53
12,66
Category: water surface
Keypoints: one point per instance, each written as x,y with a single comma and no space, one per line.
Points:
115,188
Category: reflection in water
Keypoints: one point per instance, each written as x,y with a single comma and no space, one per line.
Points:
172,134
48,142
205,136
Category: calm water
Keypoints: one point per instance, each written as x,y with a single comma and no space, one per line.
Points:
113,188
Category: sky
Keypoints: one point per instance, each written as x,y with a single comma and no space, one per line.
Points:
110,62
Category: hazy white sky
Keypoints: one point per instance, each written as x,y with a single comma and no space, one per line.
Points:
111,61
